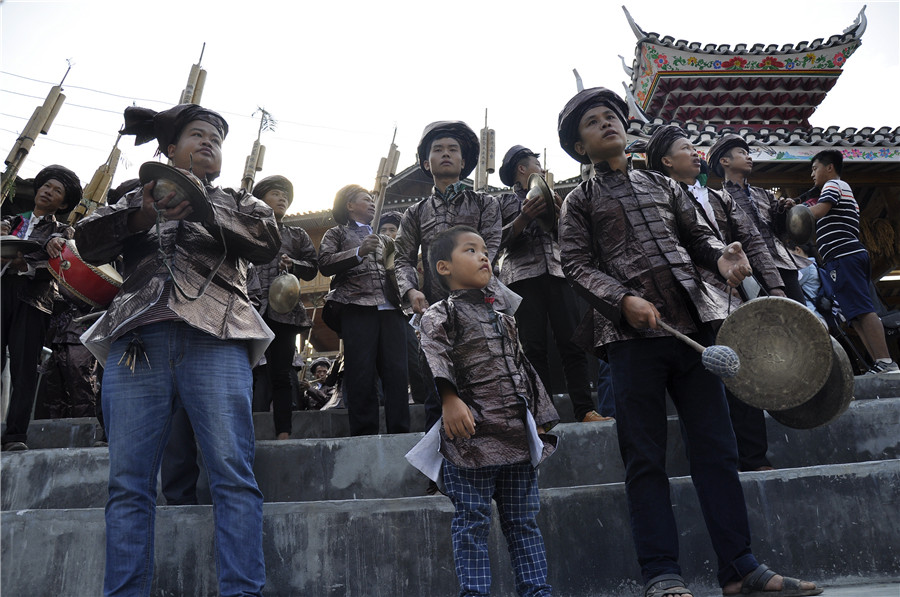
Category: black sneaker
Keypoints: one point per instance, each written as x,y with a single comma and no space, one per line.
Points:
14,447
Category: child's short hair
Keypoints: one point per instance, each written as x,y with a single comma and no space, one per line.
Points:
831,157
441,248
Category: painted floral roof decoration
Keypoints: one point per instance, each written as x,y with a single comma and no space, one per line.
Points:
736,85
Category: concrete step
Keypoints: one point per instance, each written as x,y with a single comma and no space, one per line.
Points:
332,423
833,524
80,433
374,467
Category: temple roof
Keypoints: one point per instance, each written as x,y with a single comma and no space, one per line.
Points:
740,85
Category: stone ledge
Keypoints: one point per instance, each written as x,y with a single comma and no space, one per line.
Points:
822,523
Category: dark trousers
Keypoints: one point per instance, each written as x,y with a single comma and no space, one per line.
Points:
792,288
547,298
642,371
22,329
606,399
70,384
279,368
421,384
375,346
749,425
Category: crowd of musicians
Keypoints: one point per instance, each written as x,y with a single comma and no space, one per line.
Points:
450,304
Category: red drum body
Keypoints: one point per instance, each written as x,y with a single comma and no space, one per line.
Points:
93,285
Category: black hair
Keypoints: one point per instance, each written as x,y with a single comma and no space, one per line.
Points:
441,247
831,157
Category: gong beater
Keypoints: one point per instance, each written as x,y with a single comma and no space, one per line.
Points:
785,353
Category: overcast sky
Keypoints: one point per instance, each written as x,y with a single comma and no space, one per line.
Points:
338,76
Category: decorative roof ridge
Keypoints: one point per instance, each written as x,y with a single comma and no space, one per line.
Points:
777,134
854,31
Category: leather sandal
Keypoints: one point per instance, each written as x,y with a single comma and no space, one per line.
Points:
666,584
755,584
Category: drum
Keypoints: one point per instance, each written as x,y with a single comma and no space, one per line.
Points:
93,285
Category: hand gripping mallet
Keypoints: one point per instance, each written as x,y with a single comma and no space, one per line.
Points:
719,360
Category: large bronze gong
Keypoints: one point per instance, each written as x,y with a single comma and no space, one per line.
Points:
830,402
785,353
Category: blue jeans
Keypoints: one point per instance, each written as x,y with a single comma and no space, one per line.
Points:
212,379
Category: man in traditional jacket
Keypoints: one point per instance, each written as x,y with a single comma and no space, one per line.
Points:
28,290
670,152
730,159
448,152
420,383
368,313
297,256
628,243
531,269
181,330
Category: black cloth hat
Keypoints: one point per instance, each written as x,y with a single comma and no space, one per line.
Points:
271,183
68,179
339,207
318,362
723,146
390,217
571,114
659,145
468,143
511,160
146,124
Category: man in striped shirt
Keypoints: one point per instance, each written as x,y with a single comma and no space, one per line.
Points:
846,259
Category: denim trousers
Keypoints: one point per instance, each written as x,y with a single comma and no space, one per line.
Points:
642,370
212,379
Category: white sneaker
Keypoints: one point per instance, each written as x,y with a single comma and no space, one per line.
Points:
891,367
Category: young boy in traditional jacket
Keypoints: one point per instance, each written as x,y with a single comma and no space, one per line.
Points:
181,331
372,325
495,413
628,242
298,257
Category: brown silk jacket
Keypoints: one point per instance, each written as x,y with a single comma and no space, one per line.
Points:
297,245
637,234
355,282
224,311
38,291
760,206
531,254
734,225
476,349
424,220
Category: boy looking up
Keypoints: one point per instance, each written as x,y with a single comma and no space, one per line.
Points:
628,242
494,408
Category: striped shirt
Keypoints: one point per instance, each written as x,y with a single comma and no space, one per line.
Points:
837,232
